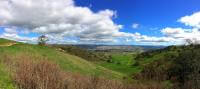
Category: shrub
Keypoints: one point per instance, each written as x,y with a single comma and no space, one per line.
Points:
43,75
47,75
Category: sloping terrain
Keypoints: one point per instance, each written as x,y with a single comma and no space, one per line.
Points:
67,62
5,42
174,67
121,62
179,66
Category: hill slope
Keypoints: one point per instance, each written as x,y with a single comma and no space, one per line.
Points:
67,62
5,42
179,65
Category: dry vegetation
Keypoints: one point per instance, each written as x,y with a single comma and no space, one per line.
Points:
43,75
29,74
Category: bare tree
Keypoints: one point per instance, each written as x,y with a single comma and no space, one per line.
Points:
193,41
188,41
42,40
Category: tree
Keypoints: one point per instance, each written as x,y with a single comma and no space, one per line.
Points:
193,41
42,40
186,69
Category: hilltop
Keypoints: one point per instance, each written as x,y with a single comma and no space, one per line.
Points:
5,42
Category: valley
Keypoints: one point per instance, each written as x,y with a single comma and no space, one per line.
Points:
155,69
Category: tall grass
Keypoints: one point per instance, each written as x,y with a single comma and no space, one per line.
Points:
47,75
43,75
29,72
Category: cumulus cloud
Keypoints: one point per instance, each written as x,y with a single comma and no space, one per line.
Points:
12,34
173,31
192,35
183,34
64,22
191,20
178,35
135,25
10,30
143,38
61,17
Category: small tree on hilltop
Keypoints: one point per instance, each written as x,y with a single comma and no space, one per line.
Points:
193,41
42,40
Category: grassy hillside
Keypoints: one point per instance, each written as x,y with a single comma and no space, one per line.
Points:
176,65
157,69
5,80
67,62
4,41
121,62
80,52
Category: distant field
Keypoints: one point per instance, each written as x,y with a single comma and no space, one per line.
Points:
122,62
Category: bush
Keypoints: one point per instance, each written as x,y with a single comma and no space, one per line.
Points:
186,69
46,75
156,71
109,60
43,75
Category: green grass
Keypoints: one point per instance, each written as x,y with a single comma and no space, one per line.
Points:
157,56
4,41
120,67
122,62
5,80
66,61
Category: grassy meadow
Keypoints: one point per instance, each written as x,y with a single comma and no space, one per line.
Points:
122,62
10,55
28,66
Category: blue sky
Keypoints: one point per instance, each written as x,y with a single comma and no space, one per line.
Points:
144,22
148,13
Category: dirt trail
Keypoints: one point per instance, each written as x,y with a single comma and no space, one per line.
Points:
7,44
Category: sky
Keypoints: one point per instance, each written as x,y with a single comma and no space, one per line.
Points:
114,22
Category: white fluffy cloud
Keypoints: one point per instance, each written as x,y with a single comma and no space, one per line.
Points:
193,35
61,17
191,20
10,30
64,22
171,31
12,34
143,38
180,34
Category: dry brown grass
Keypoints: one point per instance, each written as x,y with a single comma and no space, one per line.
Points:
43,75
29,74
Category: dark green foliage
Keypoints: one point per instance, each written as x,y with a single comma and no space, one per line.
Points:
118,63
2,41
156,71
42,40
109,61
186,68
178,64
80,52
136,64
